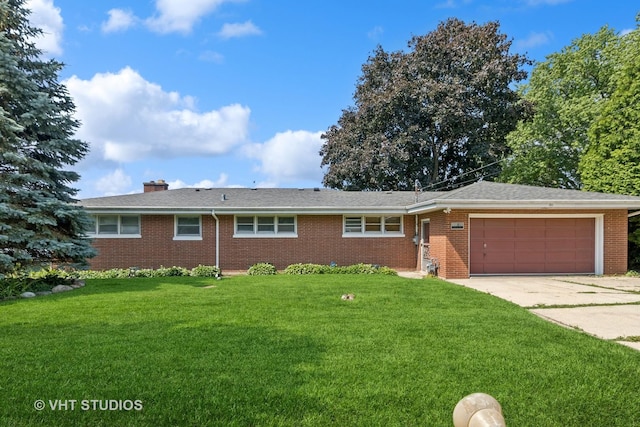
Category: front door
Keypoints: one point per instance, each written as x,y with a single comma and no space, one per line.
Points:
425,253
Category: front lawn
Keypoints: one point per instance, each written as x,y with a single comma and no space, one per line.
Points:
286,350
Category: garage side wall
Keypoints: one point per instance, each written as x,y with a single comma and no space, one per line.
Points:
451,247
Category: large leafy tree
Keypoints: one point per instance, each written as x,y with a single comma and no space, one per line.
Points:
611,162
39,220
568,90
437,113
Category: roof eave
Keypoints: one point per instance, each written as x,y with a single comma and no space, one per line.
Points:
435,205
314,210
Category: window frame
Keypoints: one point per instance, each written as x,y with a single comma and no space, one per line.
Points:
276,225
372,225
118,234
176,226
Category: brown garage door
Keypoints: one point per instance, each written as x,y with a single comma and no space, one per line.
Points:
532,245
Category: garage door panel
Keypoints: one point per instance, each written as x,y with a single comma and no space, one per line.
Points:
530,257
530,233
499,257
532,245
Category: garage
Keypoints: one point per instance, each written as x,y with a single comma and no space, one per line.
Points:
532,245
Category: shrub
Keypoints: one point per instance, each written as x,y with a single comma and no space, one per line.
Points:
114,273
47,278
12,286
262,269
206,271
307,269
349,269
171,271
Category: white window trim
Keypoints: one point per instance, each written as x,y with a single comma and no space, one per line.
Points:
176,236
118,235
265,235
372,234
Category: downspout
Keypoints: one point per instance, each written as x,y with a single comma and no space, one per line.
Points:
213,214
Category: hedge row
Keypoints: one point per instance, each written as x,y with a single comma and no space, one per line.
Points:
262,269
122,273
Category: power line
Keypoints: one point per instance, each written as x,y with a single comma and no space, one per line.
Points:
432,185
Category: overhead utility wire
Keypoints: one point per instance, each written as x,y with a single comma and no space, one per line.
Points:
432,185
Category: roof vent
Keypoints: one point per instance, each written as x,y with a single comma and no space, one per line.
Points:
316,189
223,197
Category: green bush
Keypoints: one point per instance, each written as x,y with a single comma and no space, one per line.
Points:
206,271
262,269
171,271
349,269
48,278
13,286
114,273
307,269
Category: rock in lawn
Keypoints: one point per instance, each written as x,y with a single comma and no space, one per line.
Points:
77,284
61,288
27,295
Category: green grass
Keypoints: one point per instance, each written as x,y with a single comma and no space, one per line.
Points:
286,350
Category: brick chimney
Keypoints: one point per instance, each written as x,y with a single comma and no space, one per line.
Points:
159,185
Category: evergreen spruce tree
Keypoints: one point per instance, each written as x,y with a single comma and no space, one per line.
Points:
40,221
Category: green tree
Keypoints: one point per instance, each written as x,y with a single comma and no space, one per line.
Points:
611,164
439,112
567,92
39,220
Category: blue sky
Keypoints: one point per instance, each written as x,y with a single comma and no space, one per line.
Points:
222,93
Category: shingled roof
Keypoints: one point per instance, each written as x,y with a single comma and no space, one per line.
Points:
235,200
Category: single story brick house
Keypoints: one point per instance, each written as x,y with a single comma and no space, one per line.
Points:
483,228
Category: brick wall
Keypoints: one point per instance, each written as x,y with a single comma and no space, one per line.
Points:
156,247
319,241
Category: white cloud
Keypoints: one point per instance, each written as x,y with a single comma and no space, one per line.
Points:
375,33
222,181
211,56
534,40
119,20
452,4
126,118
289,156
545,2
179,15
46,16
113,183
239,30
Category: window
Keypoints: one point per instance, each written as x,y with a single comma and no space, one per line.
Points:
265,226
353,224
114,226
188,227
392,224
244,225
370,225
129,224
108,224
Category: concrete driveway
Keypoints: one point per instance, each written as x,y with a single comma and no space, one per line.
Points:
606,307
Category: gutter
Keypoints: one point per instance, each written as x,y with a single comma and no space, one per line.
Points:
213,214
